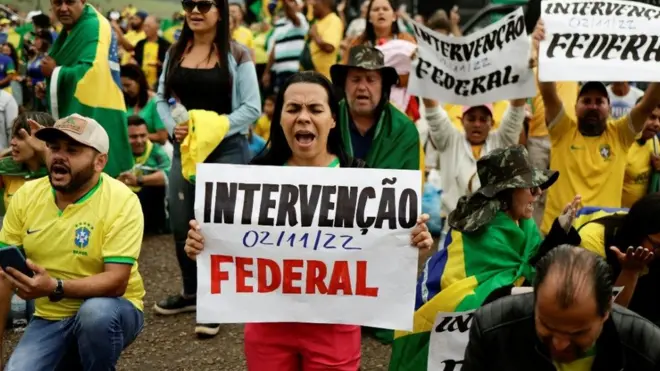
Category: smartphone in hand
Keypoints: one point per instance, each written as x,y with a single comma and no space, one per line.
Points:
12,257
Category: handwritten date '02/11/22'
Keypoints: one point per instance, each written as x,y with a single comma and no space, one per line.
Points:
308,240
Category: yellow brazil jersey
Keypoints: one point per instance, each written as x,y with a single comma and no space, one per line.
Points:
568,94
582,364
331,30
104,227
638,172
132,37
150,62
455,111
592,167
244,36
12,184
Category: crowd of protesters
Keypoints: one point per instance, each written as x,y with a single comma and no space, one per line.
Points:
558,191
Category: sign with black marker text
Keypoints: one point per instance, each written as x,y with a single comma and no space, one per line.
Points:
307,244
608,40
486,66
450,335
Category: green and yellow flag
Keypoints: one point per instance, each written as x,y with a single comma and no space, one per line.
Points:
461,276
86,81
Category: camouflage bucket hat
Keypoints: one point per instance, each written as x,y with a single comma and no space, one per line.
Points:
502,169
366,58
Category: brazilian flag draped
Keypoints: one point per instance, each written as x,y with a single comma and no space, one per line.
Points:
460,277
86,81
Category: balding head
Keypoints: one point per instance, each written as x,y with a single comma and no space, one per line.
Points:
573,298
151,26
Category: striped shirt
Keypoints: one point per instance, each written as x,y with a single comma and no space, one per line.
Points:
289,43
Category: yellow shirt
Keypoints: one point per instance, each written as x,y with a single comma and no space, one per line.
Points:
244,36
476,151
331,30
638,172
132,37
12,184
104,227
583,364
592,167
150,62
262,127
568,94
455,111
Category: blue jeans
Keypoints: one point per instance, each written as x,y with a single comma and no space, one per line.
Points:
91,340
232,150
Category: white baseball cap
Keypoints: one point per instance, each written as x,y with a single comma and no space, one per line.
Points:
83,130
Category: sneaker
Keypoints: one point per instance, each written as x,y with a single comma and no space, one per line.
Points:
175,304
207,330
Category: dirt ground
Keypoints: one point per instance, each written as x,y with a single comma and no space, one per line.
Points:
168,343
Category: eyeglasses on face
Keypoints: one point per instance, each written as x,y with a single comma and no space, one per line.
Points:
203,6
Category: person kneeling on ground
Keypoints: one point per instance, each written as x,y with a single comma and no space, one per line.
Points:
81,231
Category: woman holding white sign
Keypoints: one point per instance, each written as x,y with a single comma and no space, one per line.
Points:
304,133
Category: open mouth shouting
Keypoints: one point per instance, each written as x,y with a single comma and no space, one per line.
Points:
58,172
304,138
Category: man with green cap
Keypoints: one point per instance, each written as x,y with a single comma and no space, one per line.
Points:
372,128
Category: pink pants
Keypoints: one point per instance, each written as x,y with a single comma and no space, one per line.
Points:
302,347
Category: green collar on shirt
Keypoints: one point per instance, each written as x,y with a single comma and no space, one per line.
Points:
334,163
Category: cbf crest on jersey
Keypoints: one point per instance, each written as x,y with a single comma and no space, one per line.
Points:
605,151
83,232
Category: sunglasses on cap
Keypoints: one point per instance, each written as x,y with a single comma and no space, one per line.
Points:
203,6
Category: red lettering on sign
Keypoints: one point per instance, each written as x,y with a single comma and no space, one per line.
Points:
293,276
290,276
341,279
361,288
316,272
263,267
242,274
218,275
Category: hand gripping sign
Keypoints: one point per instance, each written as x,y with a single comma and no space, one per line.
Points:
307,244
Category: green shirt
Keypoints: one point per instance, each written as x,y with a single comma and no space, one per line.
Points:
156,160
150,115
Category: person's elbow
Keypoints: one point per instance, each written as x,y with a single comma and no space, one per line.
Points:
120,275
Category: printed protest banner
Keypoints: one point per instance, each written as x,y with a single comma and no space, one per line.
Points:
606,40
307,244
489,65
451,335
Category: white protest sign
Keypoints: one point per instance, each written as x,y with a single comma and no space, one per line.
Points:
449,338
450,335
307,244
487,66
606,40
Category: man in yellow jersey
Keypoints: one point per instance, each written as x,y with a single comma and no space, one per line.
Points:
568,323
325,36
150,52
538,139
240,33
643,160
81,231
135,33
590,151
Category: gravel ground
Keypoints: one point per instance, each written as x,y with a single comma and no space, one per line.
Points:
168,343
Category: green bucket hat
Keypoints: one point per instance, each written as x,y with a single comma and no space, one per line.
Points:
366,58
502,169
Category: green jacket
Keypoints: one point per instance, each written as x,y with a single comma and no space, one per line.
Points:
396,142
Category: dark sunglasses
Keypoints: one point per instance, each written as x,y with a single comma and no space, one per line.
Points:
203,6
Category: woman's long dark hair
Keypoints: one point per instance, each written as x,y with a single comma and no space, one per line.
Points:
221,45
14,56
631,229
369,34
280,152
135,73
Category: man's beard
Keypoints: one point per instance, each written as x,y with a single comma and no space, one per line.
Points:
78,179
590,125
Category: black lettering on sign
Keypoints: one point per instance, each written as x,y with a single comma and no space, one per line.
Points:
510,30
451,365
336,206
465,88
460,323
630,9
639,47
